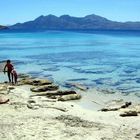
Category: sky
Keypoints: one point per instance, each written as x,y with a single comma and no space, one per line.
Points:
14,11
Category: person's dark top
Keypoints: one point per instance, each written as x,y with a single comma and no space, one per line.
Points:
9,67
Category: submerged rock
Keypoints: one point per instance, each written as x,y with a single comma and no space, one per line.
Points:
77,85
44,88
23,76
107,91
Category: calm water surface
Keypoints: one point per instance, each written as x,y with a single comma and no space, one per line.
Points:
109,60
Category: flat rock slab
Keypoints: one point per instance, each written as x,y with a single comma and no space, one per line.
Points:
3,87
44,88
69,97
137,136
55,93
116,105
35,82
129,113
67,92
3,100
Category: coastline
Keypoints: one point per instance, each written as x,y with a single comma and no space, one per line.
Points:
53,119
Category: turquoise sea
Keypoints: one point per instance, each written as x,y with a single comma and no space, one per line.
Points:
96,59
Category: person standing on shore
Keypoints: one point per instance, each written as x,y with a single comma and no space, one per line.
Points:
8,68
14,76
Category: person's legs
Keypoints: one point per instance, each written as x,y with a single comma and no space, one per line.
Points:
15,79
9,76
12,77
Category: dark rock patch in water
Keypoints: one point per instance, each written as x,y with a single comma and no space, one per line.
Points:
93,71
101,81
125,88
130,70
76,66
76,85
136,66
98,82
35,73
126,80
129,90
118,83
67,86
138,80
51,69
79,79
47,75
128,75
44,63
129,79
106,91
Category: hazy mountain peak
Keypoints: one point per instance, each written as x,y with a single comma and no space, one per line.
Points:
94,17
51,16
91,15
65,16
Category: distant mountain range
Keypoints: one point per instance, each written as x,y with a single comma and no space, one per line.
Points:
66,22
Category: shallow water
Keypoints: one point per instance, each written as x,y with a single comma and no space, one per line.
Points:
108,60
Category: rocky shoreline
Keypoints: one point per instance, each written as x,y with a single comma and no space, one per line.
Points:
39,109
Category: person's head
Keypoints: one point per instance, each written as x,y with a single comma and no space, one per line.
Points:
8,61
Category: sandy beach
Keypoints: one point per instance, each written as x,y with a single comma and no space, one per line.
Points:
70,70
27,116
